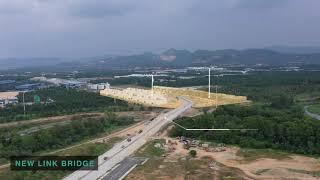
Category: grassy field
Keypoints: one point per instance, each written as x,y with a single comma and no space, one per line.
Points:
254,154
149,149
91,149
315,109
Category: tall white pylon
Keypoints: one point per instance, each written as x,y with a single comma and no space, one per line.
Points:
217,93
209,83
152,81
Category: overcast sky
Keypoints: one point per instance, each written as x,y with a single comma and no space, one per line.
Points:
79,28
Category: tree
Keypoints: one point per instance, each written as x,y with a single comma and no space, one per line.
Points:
193,153
282,101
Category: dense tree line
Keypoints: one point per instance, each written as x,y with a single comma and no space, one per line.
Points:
279,126
279,118
257,86
57,137
59,101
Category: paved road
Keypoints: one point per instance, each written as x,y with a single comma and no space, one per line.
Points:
125,148
316,116
124,168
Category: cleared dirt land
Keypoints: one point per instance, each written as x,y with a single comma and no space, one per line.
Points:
263,164
200,98
164,165
167,97
172,161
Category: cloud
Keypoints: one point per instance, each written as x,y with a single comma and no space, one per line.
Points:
95,27
261,4
99,9
14,7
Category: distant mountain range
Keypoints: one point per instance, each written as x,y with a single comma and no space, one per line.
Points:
13,63
295,49
173,58
181,58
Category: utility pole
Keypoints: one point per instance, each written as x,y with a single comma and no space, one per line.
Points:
152,81
24,104
209,83
217,94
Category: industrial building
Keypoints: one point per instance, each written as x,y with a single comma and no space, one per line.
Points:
2,82
98,87
8,98
30,87
61,82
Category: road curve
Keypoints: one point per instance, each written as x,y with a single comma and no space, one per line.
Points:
124,149
316,116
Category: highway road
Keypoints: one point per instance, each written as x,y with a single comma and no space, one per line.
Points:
316,116
125,148
124,168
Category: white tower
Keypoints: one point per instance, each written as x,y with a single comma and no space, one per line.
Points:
152,81
216,93
209,83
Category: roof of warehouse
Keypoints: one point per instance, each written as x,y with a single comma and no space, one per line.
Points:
9,95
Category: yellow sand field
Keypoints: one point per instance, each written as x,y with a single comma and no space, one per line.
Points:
166,97
200,98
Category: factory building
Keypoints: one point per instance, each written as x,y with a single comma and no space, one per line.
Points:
68,83
30,87
3,82
98,87
7,98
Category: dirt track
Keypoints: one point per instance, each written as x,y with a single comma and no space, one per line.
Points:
137,115
50,119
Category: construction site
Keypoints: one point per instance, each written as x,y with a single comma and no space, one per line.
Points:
166,97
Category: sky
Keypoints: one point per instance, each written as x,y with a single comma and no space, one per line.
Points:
83,28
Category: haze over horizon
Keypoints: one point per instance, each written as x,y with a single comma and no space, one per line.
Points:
81,28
